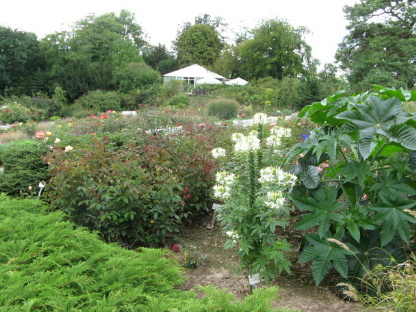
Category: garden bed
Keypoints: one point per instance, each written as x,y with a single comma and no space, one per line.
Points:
203,244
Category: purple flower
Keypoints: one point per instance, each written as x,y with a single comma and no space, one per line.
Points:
304,136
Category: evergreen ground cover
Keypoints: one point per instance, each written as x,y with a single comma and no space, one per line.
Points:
48,264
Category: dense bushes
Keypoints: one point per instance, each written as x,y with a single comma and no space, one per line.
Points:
100,101
138,194
179,100
23,168
15,112
223,108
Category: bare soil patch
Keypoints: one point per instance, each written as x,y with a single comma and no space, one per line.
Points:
202,246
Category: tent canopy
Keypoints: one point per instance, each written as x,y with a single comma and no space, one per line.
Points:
208,80
237,82
191,74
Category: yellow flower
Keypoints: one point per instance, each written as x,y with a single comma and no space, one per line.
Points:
48,133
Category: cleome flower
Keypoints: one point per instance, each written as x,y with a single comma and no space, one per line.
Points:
218,152
224,182
275,200
245,143
277,175
260,118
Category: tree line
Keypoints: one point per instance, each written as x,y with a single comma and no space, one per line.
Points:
109,52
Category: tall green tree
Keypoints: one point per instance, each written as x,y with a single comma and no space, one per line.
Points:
200,44
275,49
159,58
21,62
381,45
87,57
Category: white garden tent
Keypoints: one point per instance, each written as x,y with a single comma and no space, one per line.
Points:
208,80
236,82
191,74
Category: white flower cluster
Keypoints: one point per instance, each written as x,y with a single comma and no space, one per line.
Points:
245,143
224,182
276,134
277,176
218,152
260,118
233,235
275,200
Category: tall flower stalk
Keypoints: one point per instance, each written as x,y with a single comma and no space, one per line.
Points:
255,201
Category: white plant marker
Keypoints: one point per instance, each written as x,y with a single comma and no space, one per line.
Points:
41,186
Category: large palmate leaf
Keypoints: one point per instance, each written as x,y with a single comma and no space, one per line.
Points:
326,254
370,254
376,117
389,185
324,209
355,171
324,112
404,135
401,94
393,219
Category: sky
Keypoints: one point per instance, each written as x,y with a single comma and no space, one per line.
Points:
160,19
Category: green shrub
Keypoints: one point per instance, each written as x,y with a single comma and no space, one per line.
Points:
23,169
100,101
180,100
223,108
135,76
138,194
4,147
14,112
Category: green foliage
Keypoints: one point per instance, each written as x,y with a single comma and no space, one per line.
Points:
100,101
23,168
180,100
135,76
357,171
86,58
135,195
380,47
198,44
393,288
159,58
14,113
47,264
5,146
273,49
223,108
21,63
310,90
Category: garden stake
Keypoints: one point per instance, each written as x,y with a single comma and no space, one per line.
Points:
41,185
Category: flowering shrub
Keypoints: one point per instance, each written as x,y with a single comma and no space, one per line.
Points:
254,201
113,193
137,194
14,113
